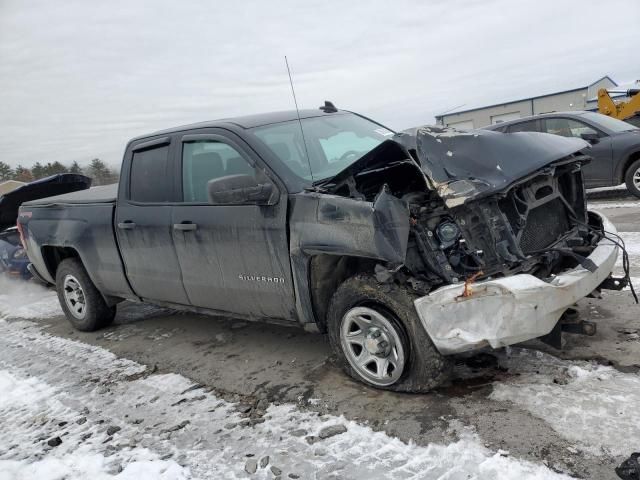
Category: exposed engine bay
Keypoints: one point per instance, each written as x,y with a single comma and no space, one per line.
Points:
479,218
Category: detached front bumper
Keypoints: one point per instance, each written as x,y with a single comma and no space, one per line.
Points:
512,309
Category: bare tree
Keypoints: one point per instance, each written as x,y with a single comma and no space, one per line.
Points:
23,174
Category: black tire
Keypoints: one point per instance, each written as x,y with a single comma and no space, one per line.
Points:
633,170
424,367
96,313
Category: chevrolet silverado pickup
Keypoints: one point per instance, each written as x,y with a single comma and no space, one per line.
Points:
404,248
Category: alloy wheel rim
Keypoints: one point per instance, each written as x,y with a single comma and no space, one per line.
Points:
636,178
74,297
372,346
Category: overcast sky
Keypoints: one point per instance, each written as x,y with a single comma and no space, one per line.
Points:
78,78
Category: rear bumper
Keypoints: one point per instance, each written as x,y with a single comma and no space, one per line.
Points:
512,309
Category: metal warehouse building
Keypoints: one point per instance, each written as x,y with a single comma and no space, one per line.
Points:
581,98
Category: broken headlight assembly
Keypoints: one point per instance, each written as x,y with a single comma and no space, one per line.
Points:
448,233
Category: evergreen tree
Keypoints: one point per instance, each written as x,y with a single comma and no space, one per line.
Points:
75,168
99,172
6,172
56,167
38,171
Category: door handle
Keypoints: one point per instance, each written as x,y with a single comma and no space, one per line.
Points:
127,225
185,226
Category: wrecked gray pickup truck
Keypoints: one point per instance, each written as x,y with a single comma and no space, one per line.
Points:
404,248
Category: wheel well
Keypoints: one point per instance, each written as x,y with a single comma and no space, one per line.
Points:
53,256
632,158
326,274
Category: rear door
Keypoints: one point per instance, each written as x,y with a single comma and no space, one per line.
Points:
234,257
143,222
598,172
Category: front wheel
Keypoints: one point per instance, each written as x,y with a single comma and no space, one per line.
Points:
378,339
79,298
632,178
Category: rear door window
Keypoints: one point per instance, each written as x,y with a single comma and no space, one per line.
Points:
530,126
149,179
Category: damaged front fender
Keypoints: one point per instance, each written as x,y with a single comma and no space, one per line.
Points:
344,226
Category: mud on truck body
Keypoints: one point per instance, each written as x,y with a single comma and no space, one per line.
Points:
404,247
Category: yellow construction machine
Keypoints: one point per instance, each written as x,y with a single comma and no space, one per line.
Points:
627,110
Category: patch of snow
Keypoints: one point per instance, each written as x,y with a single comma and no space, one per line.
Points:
21,299
31,413
612,204
173,429
589,404
636,284
622,186
632,244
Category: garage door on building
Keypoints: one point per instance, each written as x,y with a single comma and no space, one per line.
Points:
504,117
465,125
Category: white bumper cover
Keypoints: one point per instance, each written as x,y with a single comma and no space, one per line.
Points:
512,309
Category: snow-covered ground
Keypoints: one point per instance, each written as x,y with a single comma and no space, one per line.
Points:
591,405
26,300
73,411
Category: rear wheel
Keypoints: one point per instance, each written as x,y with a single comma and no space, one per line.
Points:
632,178
377,337
79,298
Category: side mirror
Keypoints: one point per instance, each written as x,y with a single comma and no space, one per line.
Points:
240,189
592,138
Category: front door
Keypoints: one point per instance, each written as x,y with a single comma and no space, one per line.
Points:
598,172
143,224
233,257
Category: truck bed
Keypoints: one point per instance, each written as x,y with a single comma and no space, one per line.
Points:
81,222
102,194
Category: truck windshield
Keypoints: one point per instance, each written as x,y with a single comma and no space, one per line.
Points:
333,142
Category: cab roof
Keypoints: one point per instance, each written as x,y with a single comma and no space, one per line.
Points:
247,121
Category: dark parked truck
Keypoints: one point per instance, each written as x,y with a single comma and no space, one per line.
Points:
404,248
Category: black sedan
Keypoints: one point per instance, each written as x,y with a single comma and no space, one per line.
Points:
615,145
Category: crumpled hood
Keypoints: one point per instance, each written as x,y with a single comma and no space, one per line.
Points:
467,164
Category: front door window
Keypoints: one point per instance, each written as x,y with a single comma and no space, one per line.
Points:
567,127
203,161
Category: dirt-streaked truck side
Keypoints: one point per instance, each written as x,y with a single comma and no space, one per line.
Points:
403,247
